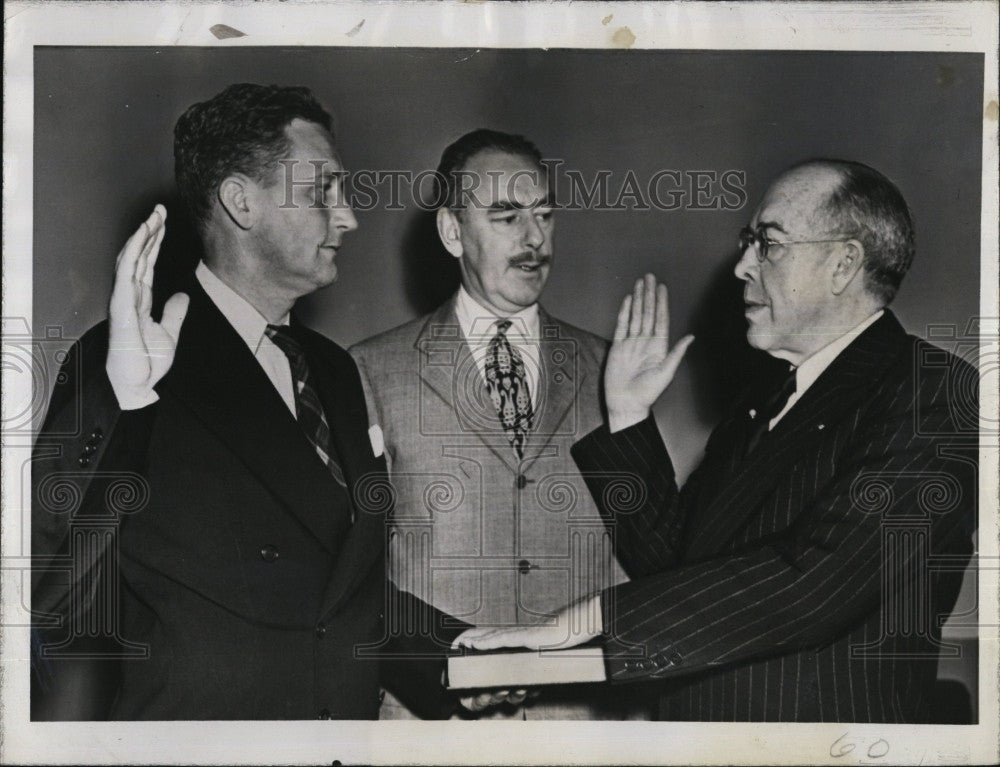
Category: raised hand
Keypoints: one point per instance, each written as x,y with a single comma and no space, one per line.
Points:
641,363
140,350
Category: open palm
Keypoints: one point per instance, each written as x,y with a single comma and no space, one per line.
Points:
641,363
141,350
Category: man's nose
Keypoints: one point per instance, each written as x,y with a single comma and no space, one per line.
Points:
342,217
534,234
747,265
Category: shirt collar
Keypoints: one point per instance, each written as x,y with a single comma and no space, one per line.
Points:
248,323
479,323
807,373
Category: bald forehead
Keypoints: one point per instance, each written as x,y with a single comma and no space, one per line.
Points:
800,195
809,179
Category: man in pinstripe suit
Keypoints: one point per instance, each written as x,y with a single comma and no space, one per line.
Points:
804,570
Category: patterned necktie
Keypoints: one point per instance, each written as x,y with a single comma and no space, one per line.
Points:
507,386
771,408
308,408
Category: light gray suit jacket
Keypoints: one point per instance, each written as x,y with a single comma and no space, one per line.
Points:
477,533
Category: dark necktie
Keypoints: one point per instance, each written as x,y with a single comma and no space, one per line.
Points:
507,386
308,408
771,408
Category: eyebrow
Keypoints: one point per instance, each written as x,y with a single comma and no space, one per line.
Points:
771,225
328,176
505,206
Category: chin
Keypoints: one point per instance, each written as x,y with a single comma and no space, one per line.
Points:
523,302
326,278
756,339
526,295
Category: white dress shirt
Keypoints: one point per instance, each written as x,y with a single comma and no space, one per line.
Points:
479,325
250,325
807,373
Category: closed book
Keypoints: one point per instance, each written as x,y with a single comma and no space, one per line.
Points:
525,668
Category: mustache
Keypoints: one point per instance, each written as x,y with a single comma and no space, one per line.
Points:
530,259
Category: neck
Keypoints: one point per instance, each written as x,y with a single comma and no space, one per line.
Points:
230,264
832,329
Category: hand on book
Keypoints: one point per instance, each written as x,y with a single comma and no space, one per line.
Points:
574,625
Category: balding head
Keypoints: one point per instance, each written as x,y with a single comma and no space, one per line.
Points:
861,203
826,248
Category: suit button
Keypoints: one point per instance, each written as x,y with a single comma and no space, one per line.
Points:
524,567
269,552
320,631
522,481
97,434
89,449
324,714
675,658
83,461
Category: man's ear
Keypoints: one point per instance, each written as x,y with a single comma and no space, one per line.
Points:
847,264
236,197
450,231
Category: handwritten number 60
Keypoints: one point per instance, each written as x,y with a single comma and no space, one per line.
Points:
876,750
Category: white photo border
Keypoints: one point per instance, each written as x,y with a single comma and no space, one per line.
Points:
850,26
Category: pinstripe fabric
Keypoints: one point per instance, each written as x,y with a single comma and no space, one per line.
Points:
790,584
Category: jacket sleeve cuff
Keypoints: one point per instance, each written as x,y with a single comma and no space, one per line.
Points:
602,440
627,660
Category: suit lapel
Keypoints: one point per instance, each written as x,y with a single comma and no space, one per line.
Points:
342,405
560,378
448,368
343,402
442,352
215,375
832,397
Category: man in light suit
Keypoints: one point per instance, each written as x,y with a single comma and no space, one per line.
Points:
805,568
479,403
206,474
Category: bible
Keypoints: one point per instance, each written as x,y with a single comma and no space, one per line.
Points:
525,668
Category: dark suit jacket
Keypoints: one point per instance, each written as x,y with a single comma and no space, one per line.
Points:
239,580
808,581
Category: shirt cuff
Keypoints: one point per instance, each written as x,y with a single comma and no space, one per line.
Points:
132,400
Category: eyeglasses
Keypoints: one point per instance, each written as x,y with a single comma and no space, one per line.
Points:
758,237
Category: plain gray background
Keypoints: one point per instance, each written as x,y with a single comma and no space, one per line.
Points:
103,157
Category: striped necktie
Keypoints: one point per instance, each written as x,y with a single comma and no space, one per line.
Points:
308,408
507,386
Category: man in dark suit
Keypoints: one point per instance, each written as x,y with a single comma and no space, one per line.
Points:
799,574
221,454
